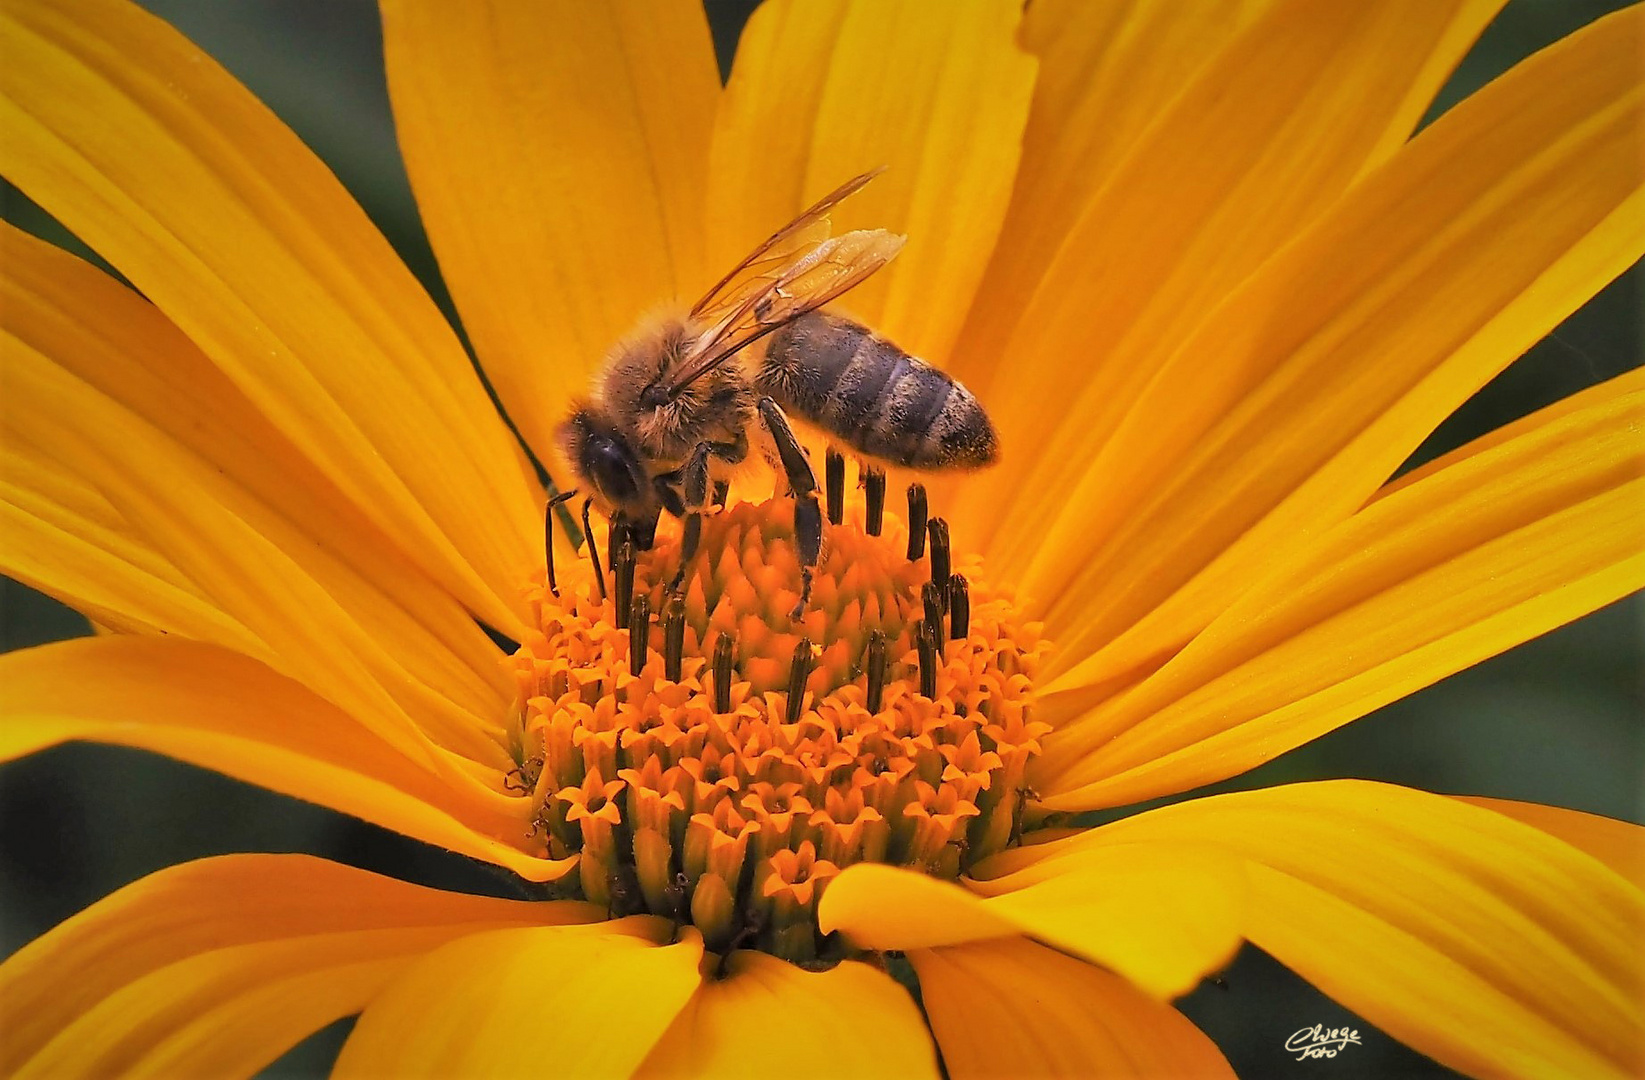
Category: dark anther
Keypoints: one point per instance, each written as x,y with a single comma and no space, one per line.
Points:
834,462
723,650
673,636
798,672
928,659
622,576
639,631
876,670
549,514
722,492
939,555
959,606
932,597
874,481
916,521
593,549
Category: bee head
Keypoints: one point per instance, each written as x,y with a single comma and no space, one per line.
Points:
603,460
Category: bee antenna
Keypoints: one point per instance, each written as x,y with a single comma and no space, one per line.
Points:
548,536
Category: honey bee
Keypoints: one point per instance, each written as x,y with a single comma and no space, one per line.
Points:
676,408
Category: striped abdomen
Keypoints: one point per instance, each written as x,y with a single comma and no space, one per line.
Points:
873,397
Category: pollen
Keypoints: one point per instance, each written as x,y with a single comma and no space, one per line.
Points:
711,759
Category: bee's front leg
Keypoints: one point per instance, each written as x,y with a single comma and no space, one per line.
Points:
802,483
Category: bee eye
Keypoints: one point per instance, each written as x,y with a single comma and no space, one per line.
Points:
607,466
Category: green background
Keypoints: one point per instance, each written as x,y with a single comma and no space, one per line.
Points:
1554,721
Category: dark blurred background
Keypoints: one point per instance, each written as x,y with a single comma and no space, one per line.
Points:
1554,721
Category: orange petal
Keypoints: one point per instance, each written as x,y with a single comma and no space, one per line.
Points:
1160,916
767,1017
151,153
592,1001
1497,543
1480,941
217,709
558,152
1305,390
1010,1007
1266,137
216,967
1618,844
79,319
822,91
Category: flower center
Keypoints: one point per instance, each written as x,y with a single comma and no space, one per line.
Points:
724,772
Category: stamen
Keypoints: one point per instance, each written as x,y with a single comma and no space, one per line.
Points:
835,467
916,521
639,630
722,492
940,555
928,659
959,606
622,576
723,650
876,671
931,595
548,536
874,481
673,636
593,550
798,672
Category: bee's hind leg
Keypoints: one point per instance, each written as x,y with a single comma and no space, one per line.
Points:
802,483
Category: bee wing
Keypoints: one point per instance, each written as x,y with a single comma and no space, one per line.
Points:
780,248
810,278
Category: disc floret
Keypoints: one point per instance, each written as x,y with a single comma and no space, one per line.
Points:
735,818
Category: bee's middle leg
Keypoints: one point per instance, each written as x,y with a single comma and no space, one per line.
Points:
685,492
802,484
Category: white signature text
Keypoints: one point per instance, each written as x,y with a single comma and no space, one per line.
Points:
1320,1041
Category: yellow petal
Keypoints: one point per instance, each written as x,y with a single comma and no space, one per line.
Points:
103,334
822,91
1482,942
215,967
1266,137
1618,844
217,709
574,1001
1108,68
1288,408
322,622
765,1017
558,152
1496,544
1013,1008
151,153
59,535
1161,916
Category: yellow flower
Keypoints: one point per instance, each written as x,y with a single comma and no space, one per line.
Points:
1210,290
